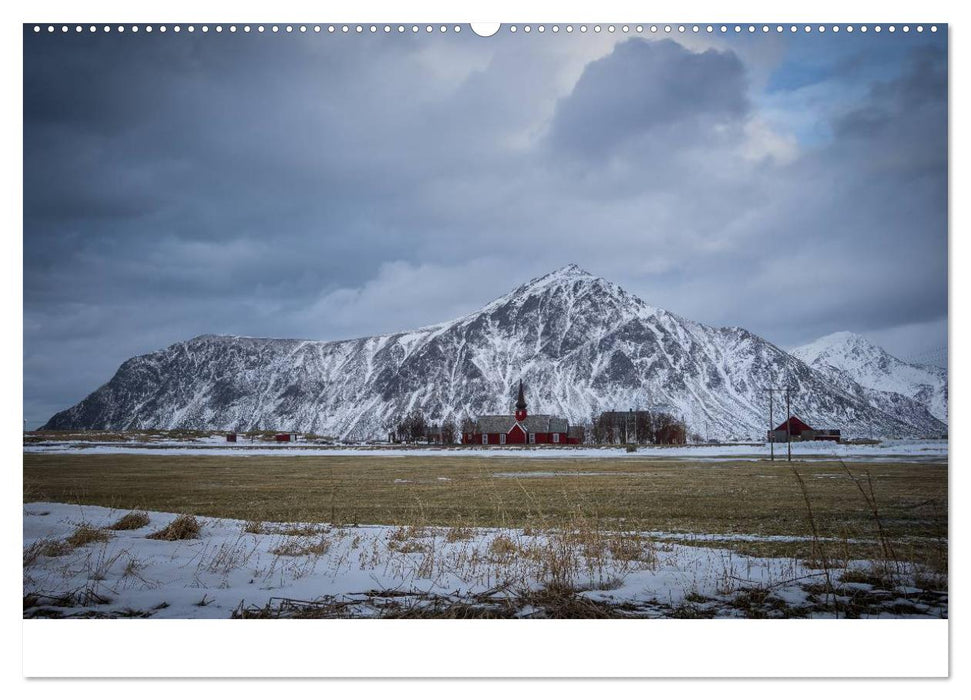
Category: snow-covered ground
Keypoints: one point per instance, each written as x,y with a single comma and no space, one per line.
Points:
888,450
362,570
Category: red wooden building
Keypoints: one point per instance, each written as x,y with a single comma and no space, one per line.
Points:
796,430
521,428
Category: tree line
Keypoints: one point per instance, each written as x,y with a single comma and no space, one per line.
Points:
637,428
414,427
607,428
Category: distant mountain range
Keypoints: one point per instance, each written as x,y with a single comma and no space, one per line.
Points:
845,355
580,343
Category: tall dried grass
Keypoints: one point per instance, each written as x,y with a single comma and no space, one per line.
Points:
184,527
131,521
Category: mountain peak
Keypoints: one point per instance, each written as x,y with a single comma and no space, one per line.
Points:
581,343
566,273
844,337
840,341
572,269
874,368
550,282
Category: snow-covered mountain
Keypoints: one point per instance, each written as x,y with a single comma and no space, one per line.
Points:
848,355
581,345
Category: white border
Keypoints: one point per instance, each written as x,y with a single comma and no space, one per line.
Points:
506,648
503,648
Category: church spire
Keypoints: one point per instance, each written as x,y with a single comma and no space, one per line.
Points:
521,403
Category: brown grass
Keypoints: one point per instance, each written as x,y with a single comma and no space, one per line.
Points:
302,547
637,493
45,548
459,534
259,527
630,548
184,527
131,521
83,534
86,534
503,546
551,602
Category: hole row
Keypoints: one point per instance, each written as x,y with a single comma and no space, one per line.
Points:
428,28
724,28
246,28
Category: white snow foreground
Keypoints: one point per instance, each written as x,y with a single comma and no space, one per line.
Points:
234,568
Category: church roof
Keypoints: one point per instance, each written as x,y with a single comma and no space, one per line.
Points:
494,424
534,424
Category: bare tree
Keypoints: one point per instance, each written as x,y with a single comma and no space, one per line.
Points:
643,427
668,430
448,432
417,425
596,431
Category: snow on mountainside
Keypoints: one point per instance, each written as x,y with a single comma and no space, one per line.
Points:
581,345
844,354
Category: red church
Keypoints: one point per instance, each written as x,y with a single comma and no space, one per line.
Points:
521,428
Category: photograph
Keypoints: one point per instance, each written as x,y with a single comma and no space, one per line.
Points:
559,321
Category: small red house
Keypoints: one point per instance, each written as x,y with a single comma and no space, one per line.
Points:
285,437
521,428
796,430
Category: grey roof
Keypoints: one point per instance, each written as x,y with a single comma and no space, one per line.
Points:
534,424
495,424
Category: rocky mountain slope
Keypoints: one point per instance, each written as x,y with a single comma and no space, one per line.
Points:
848,355
580,343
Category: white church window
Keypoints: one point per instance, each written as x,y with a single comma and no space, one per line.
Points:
556,437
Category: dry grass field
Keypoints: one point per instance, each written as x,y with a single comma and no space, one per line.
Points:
900,503
833,539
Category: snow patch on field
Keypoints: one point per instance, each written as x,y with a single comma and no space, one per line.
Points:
890,450
237,566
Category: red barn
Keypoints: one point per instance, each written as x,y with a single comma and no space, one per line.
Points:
285,437
521,428
799,431
796,427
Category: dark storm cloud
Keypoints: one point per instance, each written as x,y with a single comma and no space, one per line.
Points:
333,186
643,87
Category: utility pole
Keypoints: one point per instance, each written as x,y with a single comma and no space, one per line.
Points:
771,390
788,428
771,429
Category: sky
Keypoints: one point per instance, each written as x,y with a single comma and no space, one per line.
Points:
329,186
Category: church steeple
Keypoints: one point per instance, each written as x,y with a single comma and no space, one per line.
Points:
521,403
